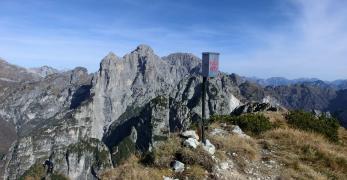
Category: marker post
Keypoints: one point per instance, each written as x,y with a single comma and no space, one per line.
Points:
210,68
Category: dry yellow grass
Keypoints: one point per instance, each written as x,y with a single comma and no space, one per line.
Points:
194,172
277,118
132,170
245,149
234,144
307,155
165,152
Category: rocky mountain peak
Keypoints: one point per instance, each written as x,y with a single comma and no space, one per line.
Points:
182,59
143,49
111,56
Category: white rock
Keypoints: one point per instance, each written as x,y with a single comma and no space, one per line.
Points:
209,147
218,132
224,165
178,166
190,134
237,130
234,103
191,142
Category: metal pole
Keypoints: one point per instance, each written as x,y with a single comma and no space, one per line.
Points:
204,85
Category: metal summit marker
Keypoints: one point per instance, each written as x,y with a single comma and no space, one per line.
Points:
210,64
210,69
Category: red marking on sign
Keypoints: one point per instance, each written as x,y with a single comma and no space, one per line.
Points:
214,65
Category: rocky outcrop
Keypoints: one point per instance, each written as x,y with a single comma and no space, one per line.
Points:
255,107
43,71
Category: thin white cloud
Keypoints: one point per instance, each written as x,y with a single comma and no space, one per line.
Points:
313,44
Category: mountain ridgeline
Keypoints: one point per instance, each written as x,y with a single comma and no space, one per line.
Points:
82,123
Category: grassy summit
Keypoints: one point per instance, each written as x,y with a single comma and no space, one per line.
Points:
277,146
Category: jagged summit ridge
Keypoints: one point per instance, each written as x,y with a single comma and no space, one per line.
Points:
143,49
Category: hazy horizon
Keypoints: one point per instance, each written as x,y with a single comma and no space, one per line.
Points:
291,38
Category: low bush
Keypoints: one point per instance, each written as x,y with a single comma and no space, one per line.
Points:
251,123
309,122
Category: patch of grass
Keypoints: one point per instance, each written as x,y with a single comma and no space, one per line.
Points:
58,177
245,149
194,172
164,153
196,156
309,122
307,155
132,169
253,123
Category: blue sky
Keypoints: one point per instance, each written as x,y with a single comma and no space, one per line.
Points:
263,38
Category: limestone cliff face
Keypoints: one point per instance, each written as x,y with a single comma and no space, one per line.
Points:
131,81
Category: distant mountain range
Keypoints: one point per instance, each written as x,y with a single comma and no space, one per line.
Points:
281,81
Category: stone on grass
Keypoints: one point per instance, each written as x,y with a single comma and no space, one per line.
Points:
178,166
238,131
209,147
191,142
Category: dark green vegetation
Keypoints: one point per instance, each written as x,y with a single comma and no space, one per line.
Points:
37,171
94,147
123,151
251,123
307,121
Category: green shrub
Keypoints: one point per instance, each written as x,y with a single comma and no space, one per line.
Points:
55,176
36,171
123,151
309,122
251,123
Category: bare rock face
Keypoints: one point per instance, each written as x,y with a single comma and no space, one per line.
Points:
30,103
